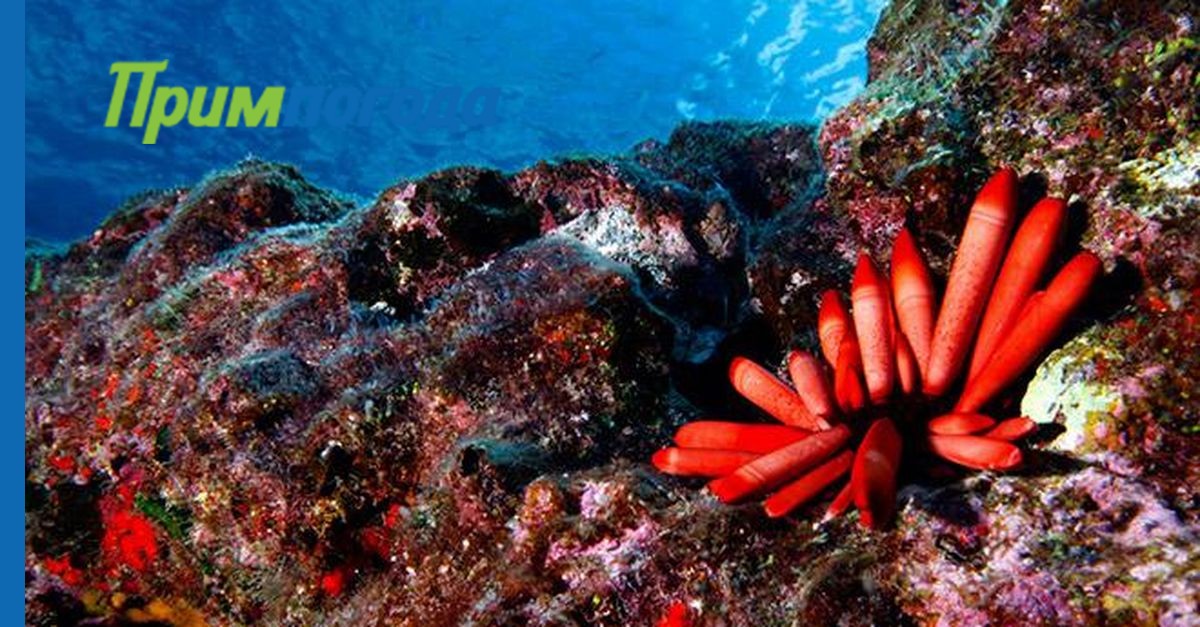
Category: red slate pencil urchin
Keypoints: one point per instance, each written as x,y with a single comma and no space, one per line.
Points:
892,360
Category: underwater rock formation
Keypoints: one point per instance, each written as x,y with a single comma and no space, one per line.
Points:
250,401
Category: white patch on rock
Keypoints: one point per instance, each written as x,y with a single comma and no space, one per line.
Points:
1063,385
796,281
614,232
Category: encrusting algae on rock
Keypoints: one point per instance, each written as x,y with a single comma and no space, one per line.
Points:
252,402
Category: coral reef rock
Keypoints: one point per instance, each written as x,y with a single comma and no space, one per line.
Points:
252,401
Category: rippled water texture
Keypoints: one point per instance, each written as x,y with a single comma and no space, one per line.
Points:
579,77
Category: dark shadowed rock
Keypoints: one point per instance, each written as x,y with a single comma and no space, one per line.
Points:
264,388
218,214
421,236
764,167
800,254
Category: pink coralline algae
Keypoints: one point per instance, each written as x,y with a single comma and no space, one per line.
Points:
892,360
252,402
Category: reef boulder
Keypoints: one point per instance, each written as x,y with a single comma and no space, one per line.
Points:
252,401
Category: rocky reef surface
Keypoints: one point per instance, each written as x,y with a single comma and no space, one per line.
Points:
251,401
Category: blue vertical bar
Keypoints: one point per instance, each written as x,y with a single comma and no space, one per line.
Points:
12,227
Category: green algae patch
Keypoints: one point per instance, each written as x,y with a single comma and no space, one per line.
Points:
174,519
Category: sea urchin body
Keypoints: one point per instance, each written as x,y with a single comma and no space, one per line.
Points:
895,344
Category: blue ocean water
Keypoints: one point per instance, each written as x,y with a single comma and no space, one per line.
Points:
590,76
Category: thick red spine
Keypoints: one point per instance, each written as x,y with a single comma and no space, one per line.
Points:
907,369
874,474
974,269
811,384
841,502
770,394
803,490
1041,322
848,387
912,289
1012,429
1030,253
872,311
737,436
960,424
976,452
774,469
833,324
700,462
